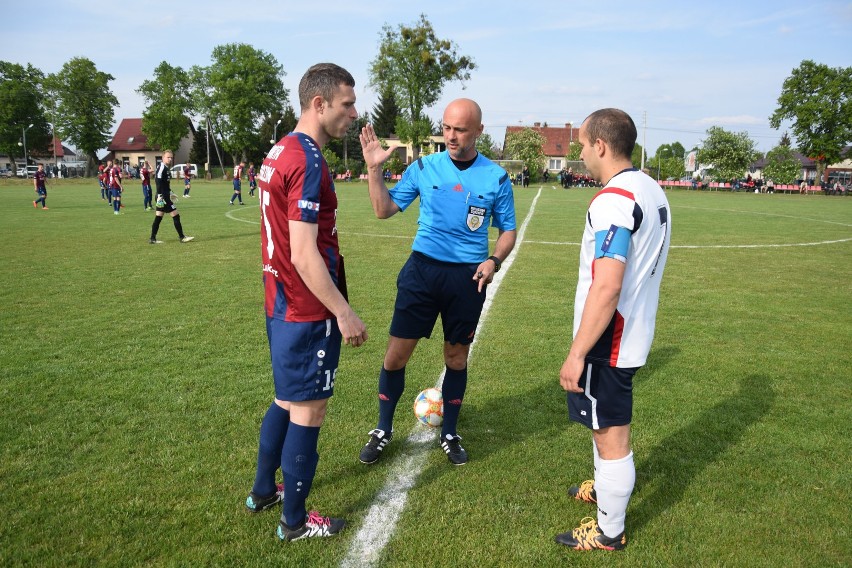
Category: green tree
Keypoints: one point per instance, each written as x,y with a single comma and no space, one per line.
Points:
526,145
240,88
574,149
636,156
84,106
335,163
21,104
415,64
485,146
668,162
785,140
818,100
385,113
348,148
727,154
782,166
675,150
166,122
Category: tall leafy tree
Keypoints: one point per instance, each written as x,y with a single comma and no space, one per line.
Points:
21,104
385,113
241,87
818,100
574,149
728,154
415,65
84,106
636,156
165,122
782,166
668,161
485,146
348,148
526,145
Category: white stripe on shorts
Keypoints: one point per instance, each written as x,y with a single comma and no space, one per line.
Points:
594,401
327,327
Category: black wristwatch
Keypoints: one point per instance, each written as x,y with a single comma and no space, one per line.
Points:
497,263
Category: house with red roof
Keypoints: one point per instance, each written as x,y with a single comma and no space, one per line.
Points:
557,142
130,146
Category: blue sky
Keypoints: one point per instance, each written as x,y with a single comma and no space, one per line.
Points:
684,66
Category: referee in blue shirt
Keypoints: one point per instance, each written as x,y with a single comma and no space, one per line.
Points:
461,194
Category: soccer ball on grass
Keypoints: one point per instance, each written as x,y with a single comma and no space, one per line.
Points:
429,407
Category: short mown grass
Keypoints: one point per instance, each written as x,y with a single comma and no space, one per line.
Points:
133,379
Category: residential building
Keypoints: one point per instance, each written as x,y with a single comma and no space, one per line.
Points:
130,146
557,142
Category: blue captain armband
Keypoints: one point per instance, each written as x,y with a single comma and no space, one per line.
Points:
613,243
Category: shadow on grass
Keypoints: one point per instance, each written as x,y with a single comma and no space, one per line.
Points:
678,459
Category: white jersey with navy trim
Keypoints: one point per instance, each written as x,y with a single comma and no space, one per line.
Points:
629,220
456,206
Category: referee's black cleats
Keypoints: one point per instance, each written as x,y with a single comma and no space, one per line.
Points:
452,446
372,451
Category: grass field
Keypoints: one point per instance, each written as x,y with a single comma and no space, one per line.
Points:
133,379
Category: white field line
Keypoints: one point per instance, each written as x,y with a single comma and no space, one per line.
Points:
381,519
230,215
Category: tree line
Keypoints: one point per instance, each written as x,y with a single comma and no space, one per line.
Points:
242,103
815,98
240,98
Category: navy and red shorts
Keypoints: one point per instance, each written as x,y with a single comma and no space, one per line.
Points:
305,356
427,288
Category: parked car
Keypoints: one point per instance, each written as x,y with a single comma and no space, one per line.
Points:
30,171
5,173
177,170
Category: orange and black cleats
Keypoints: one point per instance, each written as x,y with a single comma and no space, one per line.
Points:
589,537
585,492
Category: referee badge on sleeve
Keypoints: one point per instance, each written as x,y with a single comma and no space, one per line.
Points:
475,217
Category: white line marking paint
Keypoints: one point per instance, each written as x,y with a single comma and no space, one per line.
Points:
381,519
563,243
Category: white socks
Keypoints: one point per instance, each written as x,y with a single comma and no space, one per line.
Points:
614,481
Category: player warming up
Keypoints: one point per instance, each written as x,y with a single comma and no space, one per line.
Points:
461,193
187,180
238,188
40,188
622,257
252,179
115,187
307,311
147,197
164,201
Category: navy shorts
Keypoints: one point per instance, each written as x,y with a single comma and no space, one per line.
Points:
426,288
607,397
305,356
237,184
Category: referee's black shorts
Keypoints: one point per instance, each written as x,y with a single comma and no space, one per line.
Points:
426,288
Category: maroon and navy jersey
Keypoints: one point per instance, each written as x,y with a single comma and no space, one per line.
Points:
295,185
251,173
187,173
115,177
39,176
146,176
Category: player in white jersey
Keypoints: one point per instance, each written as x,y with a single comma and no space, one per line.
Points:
622,257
